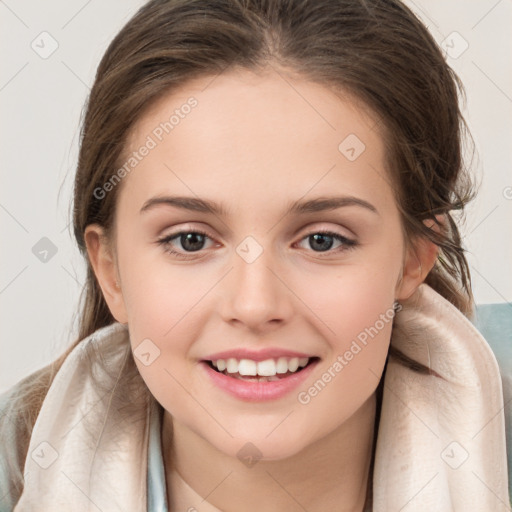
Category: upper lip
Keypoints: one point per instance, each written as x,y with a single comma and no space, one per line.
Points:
255,355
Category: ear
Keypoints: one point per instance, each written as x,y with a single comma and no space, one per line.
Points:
105,268
418,262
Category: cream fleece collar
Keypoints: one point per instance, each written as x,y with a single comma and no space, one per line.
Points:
440,447
441,442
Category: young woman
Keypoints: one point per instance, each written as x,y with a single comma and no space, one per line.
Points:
276,315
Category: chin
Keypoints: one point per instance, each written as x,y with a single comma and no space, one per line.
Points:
254,446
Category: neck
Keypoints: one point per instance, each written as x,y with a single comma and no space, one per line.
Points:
331,474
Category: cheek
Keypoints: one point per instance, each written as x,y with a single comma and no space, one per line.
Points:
360,320
350,298
351,372
164,303
158,294
161,354
354,311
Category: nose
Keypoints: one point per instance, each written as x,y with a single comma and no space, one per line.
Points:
256,294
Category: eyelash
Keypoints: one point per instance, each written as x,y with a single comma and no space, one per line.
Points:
348,243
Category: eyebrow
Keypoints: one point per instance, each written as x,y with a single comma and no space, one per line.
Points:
298,207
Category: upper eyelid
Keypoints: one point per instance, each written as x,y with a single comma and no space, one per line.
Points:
305,230
305,233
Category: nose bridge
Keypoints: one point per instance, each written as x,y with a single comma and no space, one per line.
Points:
255,295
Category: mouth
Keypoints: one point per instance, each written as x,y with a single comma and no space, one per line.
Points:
260,379
268,370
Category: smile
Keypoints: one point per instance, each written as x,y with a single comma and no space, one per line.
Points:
274,369
252,380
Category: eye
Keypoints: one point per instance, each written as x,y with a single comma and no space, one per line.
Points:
193,241
323,241
190,241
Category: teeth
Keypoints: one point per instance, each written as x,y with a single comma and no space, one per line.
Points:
266,368
293,364
247,367
232,365
282,365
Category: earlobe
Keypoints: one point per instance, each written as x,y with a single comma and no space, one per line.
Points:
419,261
106,271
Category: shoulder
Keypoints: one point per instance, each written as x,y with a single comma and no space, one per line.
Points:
19,407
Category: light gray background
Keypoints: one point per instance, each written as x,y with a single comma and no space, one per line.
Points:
41,102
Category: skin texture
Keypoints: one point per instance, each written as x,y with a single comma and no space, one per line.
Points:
257,143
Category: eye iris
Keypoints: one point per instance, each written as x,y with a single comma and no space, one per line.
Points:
319,237
192,239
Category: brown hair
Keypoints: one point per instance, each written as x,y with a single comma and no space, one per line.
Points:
377,51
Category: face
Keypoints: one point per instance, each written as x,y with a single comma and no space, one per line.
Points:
300,256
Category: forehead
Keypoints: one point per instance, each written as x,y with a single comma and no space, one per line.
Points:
239,135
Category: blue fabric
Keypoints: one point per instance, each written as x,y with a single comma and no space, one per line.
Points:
157,495
8,439
494,321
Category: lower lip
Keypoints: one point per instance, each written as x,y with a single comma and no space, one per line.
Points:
258,391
